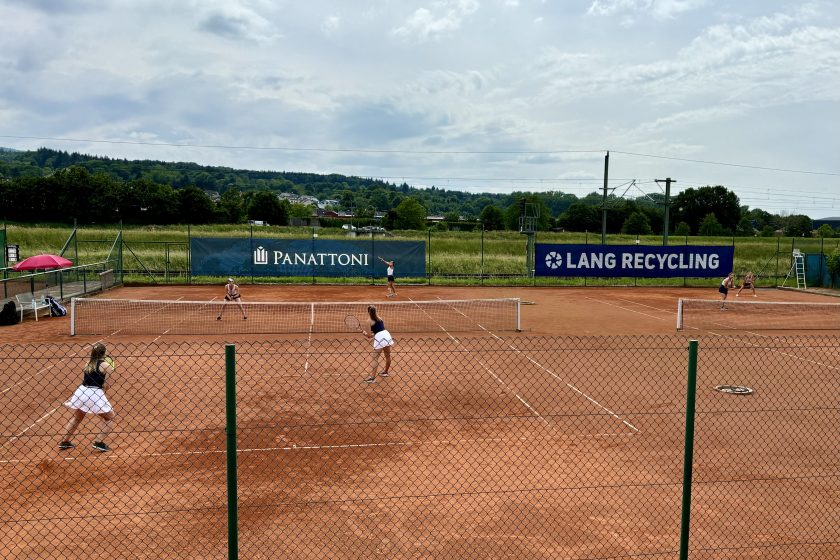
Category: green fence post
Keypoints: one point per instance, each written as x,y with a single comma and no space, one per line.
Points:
230,431
689,448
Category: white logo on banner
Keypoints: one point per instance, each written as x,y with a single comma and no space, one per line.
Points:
260,256
553,260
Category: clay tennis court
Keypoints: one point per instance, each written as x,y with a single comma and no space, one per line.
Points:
564,440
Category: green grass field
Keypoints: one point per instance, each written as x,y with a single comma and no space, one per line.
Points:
160,254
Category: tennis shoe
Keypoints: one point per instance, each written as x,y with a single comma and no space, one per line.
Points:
66,444
101,446
384,374
244,318
219,318
370,379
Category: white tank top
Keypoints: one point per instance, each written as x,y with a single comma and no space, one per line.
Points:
390,271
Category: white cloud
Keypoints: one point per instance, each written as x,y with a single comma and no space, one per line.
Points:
330,25
658,9
756,83
445,17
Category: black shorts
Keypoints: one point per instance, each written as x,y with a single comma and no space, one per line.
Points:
723,290
747,285
390,279
231,298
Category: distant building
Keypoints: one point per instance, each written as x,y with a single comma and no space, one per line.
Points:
832,222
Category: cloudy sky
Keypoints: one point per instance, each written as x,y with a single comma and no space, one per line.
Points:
477,95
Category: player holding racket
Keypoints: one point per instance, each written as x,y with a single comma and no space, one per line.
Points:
90,398
382,342
725,285
392,291
232,294
748,282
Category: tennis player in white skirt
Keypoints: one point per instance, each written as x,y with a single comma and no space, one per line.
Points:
90,398
382,342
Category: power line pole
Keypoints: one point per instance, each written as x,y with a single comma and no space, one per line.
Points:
604,205
667,182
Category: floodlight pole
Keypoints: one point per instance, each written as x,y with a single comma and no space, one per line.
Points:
667,182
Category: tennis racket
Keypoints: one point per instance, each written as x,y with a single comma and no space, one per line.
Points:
353,323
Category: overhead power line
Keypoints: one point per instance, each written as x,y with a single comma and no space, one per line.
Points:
419,152
306,149
708,162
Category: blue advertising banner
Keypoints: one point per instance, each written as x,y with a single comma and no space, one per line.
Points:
639,261
214,256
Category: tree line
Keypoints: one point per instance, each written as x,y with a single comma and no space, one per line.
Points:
51,185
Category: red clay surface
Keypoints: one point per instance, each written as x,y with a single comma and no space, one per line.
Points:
480,445
556,311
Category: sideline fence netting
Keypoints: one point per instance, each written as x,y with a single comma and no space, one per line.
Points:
473,447
139,317
737,314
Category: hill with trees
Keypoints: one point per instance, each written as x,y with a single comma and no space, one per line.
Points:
57,186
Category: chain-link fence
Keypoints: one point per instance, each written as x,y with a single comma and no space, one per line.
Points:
485,447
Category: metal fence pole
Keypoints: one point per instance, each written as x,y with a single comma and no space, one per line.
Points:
230,431
688,461
429,267
482,253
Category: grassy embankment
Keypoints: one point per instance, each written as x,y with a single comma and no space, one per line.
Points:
160,253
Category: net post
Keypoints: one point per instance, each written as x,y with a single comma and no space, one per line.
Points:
688,461
679,314
72,316
518,315
230,431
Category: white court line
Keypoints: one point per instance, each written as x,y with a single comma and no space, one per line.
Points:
626,309
164,333
28,378
729,336
464,373
38,421
50,413
558,378
139,319
331,447
491,372
309,340
671,311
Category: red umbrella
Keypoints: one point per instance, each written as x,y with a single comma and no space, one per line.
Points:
42,261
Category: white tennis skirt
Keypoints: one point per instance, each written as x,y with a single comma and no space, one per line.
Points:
382,339
90,400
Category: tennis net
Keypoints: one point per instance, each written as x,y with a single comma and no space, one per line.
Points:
707,314
99,316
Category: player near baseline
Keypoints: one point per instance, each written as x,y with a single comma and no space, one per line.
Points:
748,282
89,398
392,292
382,342
725,285
232,294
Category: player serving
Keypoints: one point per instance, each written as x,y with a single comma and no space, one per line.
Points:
392,292
232,294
